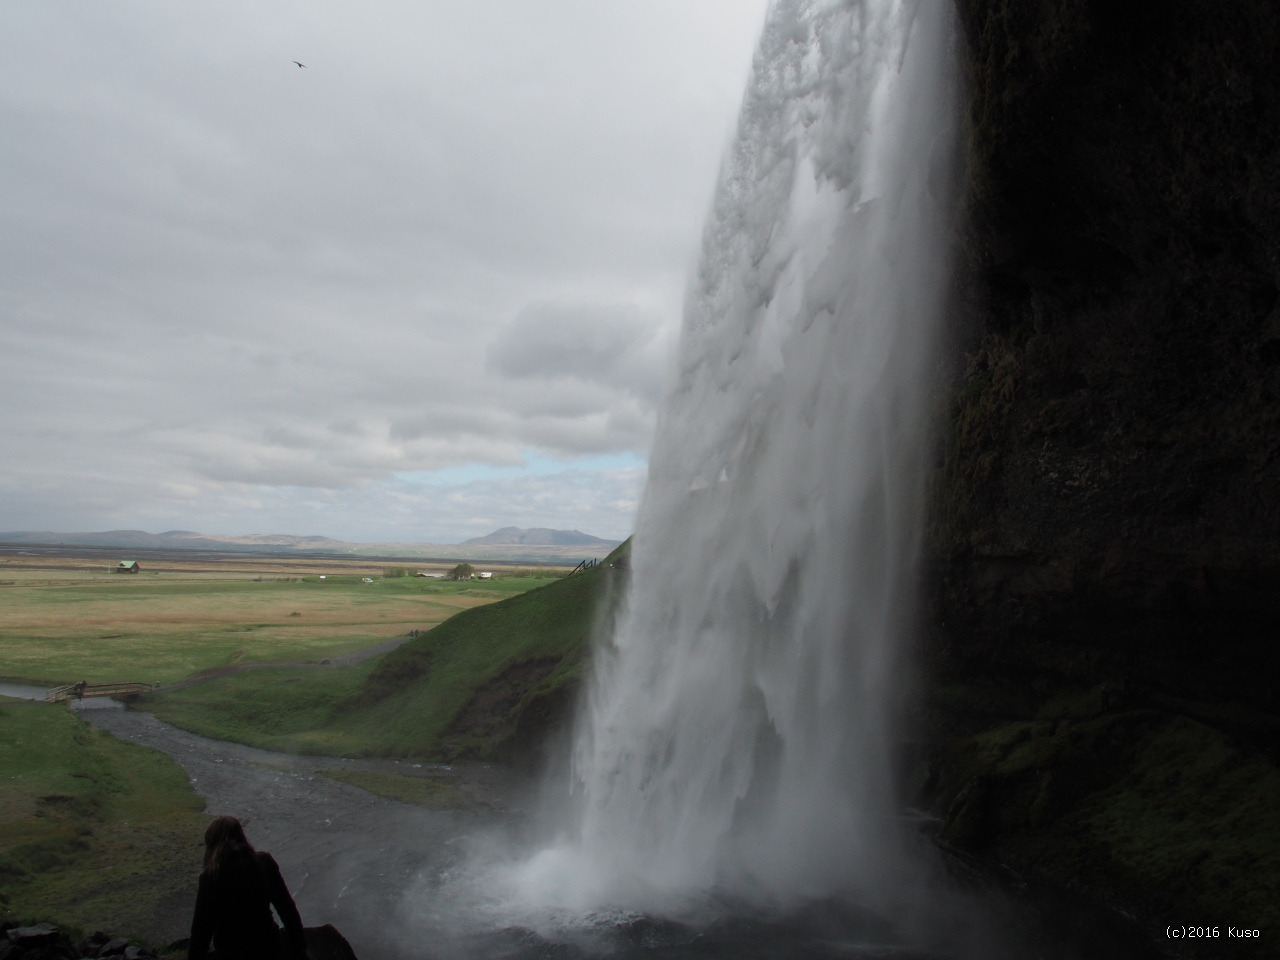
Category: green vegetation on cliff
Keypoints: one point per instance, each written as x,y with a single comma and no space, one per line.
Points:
1140,807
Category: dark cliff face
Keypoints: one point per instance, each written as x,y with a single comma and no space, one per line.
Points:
1110,505
1103,653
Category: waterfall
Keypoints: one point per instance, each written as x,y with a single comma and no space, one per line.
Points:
736,738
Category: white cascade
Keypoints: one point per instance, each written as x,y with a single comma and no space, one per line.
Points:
736,739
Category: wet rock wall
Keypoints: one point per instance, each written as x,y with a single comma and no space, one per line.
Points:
1102,649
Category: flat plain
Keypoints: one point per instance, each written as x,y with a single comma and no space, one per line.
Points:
100,833
70,617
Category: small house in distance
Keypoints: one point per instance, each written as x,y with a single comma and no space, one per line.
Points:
127,566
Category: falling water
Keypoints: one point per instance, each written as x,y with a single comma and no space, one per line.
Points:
737,735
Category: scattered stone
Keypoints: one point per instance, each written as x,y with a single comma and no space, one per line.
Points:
41,941
44,941
326,943
41,933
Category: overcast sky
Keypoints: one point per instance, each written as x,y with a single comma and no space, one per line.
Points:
423,288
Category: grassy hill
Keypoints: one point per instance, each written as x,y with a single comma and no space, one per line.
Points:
487,683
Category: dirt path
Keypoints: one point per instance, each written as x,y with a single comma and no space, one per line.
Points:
348,856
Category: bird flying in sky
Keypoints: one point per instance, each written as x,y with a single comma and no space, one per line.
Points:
300,64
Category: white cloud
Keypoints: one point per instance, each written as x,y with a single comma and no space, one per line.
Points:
237,293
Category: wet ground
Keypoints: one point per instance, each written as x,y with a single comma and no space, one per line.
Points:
347,855
401,881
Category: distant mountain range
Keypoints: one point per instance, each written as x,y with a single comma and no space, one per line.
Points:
542,537
174,539
509,543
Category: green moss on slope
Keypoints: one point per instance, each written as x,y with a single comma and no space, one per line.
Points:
1144,808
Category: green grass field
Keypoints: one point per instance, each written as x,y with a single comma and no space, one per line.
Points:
61,626
288,710
97,834
484,683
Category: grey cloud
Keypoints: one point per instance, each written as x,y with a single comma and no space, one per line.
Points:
347,428
234,287
618,347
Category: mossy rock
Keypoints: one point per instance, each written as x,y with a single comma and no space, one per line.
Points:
1153,813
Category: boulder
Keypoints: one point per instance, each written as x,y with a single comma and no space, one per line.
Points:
326,943
41,933
323,943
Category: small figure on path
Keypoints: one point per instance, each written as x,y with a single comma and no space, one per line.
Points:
238,888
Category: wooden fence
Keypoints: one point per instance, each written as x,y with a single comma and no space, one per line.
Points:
80,690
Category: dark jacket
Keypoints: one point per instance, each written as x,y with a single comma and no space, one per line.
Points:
233,907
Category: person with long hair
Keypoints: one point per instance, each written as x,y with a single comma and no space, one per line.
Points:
238,888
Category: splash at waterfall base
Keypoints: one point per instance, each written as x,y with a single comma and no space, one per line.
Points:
733,771
735,742
1102,558
732,788
1097,699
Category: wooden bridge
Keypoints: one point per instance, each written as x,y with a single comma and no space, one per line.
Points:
82,689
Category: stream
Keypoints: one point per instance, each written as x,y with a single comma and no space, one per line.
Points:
348,856
402,881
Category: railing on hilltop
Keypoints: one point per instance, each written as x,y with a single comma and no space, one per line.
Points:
82,689
584,565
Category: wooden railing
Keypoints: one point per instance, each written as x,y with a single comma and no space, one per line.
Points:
584,565
80,690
